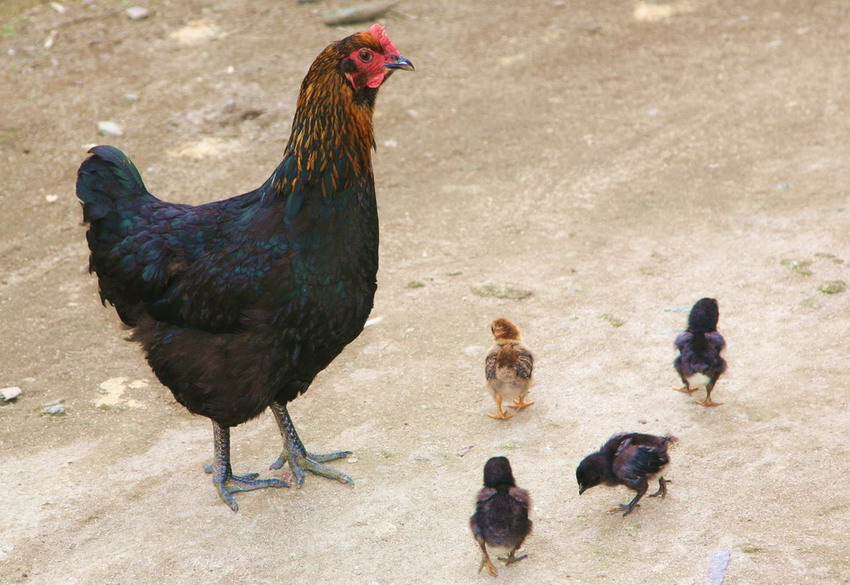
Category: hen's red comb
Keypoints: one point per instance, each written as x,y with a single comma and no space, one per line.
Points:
378,31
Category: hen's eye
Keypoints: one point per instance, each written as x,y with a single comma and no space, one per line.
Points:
365,55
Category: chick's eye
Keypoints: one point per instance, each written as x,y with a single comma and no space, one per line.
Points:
365,55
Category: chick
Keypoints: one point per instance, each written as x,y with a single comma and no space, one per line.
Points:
699,363
508,368
628,459
501,514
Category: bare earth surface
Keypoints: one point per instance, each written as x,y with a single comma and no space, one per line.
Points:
616,160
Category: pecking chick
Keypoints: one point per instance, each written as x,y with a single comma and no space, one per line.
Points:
501,514
699,363
628,459
508,368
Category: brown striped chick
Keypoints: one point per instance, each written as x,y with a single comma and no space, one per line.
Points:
508,368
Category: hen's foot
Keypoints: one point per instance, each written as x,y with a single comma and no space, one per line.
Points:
686,390
227,484
519,404
708,402
312,462
297,456
230,484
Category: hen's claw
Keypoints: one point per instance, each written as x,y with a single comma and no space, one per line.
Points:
223,479
312,462
297,456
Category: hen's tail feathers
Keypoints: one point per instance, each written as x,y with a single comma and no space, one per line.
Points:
108,183
114,201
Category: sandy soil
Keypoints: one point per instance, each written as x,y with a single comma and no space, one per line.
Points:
616,160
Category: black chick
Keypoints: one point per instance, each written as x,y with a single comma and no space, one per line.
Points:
628,459
501,514
699,363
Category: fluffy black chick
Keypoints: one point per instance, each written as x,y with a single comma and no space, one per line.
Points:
699,363
501,514
628,459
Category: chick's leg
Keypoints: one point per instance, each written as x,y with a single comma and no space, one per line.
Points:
626,509
500,414
708,401
297,456
686,387
485,560
511,558
224,481
662,488
520,403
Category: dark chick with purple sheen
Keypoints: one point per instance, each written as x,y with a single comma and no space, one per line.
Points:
240,303
501,519
699,363
629,459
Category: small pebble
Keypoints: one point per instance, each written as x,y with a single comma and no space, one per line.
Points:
464,450
51,198
420,456
53,409
9,393
474,350
109,128
717,565
137,13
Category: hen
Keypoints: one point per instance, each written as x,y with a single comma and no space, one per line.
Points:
699,362
501,514
238,304
627,459
508,368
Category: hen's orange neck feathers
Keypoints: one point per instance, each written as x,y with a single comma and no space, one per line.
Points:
332,129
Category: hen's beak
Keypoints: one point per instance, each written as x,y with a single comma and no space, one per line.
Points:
400,63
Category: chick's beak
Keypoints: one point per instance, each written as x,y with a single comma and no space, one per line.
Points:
400,63
581,490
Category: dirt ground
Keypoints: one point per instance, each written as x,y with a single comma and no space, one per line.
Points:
615,160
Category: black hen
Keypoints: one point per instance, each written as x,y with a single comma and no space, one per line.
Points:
238,304
628,459
501,514
699,362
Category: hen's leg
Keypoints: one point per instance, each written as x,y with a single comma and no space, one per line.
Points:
224,481
298,457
